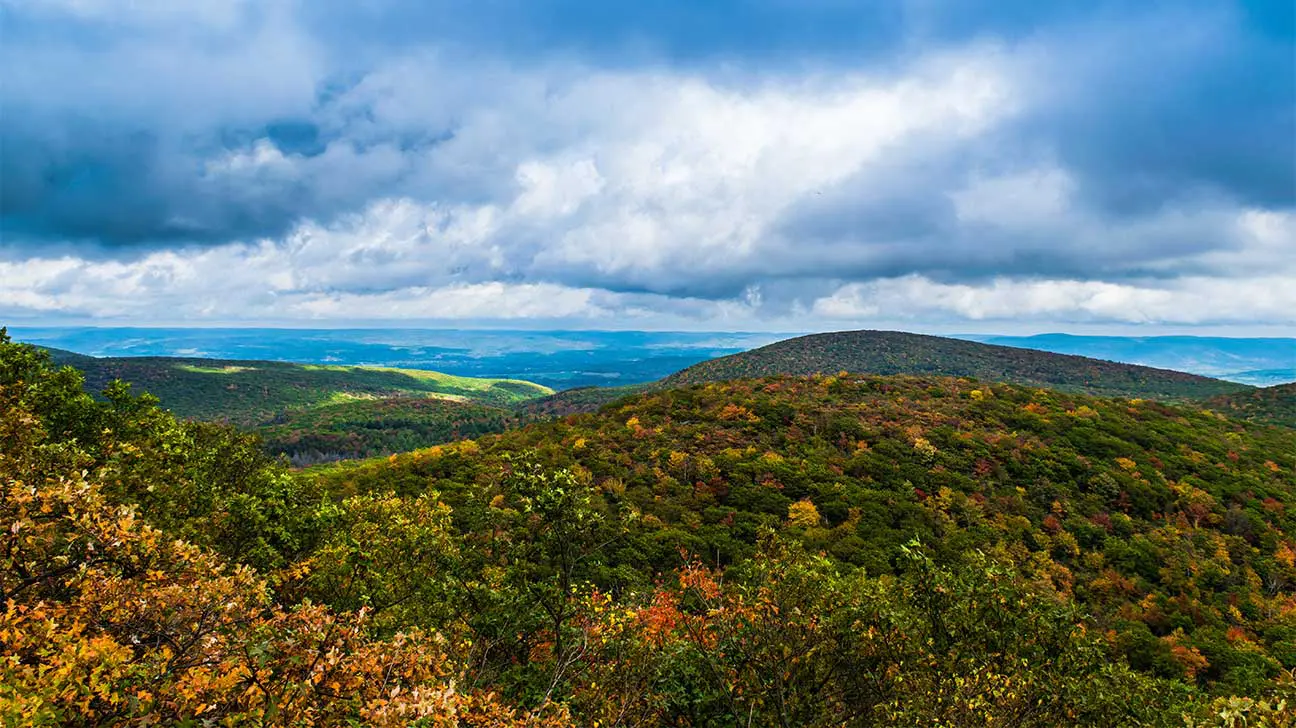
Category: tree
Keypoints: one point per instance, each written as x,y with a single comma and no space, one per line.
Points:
787,639
803,514
545,535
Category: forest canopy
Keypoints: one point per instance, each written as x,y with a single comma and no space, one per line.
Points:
788,551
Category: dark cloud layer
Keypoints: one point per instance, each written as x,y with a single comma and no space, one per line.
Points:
130,186
1132,141
1146,103
1178,103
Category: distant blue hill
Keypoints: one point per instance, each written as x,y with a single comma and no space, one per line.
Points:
557,359
569,359
1257,361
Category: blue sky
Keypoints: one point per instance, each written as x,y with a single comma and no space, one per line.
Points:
768,164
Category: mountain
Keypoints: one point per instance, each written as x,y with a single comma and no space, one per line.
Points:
1262,377
812,551
1275,405
577,401
1255,361
558,359
253,392
316,414
886,352
1160,521
892,352
370,427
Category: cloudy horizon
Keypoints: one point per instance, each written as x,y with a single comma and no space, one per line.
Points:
765,165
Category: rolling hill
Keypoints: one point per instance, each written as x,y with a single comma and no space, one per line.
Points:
314,414
253,392
371,427
892,352
774,551
1259,362
1154,518
1275,405
577,401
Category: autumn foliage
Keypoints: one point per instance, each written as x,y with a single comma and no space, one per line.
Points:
790,552
108,620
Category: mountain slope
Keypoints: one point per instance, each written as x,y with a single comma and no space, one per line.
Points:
1254,361
1275,405
577,401
892,352
1164,522
252,392
371,427
785,551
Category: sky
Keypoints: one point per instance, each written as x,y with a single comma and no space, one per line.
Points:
787,165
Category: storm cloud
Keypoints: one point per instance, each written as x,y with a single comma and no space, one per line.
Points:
734,164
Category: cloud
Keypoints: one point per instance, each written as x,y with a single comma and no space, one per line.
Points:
257,286
1171,103
472,301
110,113
649,162
1192,301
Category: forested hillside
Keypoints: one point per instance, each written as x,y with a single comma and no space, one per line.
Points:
577,401
894,352
146,574
315,414
318,414
1256,361
252,392
816,551
1275,405
890,352
369,427
1162,520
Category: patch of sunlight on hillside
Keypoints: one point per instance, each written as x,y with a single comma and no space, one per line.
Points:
231,369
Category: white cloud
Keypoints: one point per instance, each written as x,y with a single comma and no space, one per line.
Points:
478,301
1027,201
650,180
445,189
1183,301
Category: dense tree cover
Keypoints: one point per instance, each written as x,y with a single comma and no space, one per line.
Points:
206,483
365,428
314,414
109,620
162,572
894,352
253,392
577,401
1173,526
888,352
370,427
1275,405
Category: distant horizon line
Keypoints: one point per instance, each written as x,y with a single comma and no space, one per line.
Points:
225,326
